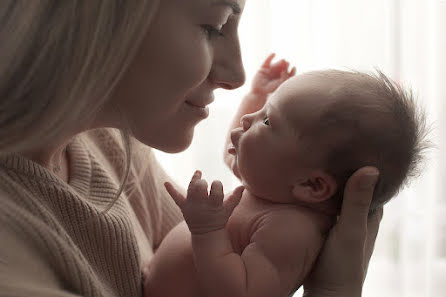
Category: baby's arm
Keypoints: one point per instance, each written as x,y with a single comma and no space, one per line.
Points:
266,81
271,265
206,217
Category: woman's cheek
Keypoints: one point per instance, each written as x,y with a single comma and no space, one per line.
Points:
193,59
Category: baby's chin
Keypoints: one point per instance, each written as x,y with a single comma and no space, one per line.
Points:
234,167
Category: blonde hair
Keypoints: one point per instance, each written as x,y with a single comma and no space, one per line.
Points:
59,62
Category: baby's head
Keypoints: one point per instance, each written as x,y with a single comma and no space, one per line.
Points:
320,127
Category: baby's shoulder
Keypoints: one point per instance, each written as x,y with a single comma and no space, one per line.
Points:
288,225
291,216
290,240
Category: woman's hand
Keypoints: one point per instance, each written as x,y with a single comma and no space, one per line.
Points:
205,212
342,265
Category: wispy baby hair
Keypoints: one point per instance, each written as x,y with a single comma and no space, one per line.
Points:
372,121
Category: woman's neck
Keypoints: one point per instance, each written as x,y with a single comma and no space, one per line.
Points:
55,160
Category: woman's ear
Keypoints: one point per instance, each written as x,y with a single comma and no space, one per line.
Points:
316,187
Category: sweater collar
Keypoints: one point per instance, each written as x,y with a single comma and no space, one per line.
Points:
79,167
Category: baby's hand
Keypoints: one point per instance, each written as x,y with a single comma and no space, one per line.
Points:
270,77
204,213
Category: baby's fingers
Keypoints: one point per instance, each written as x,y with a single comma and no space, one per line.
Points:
195,177
176,196
234,199
279,67
268,60
216,195
198,188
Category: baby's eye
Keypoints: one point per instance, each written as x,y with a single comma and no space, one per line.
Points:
266,121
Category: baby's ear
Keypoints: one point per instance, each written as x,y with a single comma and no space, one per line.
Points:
318,186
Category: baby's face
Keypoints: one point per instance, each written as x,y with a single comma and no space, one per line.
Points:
269,151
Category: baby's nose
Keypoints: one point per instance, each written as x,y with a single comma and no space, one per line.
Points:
245,123
235,135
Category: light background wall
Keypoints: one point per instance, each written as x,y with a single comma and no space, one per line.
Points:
404,38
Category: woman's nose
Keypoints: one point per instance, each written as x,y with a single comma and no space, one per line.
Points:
228,71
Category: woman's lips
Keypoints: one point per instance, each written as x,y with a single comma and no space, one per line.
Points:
202,102
199,105
201,111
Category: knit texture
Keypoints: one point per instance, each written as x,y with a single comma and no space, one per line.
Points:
55,239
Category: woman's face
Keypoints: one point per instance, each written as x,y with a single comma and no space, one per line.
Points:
191,49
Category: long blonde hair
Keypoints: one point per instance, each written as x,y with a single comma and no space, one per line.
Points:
59,62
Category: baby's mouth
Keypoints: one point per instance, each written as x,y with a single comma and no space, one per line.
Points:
231,149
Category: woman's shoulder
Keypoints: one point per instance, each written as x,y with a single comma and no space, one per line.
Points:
26,226
54,248
22,257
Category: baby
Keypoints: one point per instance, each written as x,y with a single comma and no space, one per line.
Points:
293,150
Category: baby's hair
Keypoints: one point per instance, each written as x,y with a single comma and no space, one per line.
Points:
373,121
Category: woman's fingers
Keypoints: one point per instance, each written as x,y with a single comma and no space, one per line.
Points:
372,231
342,263
355,206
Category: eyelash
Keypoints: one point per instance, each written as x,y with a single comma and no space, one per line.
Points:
212,31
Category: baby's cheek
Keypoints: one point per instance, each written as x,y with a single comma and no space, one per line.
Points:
248,166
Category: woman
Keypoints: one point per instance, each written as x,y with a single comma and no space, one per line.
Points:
73,74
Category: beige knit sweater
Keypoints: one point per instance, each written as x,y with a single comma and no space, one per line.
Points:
53,239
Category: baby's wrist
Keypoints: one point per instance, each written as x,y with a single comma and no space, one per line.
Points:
208,232
211,245
204,230
259,93
256,100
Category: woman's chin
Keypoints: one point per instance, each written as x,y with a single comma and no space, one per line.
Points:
179,144
169,140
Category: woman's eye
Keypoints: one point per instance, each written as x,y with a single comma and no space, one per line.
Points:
212,31
266,121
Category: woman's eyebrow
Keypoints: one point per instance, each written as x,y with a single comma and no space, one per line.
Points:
232,4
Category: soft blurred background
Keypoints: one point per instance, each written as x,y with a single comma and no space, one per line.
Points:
406,39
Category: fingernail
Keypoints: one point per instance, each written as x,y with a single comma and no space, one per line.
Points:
370,179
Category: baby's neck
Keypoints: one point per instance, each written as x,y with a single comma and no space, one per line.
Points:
324,212
326,207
